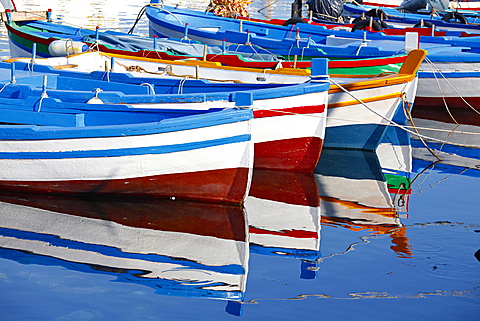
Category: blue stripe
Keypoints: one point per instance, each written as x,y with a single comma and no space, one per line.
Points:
455,74
126,151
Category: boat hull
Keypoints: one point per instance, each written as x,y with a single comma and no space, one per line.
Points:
201,162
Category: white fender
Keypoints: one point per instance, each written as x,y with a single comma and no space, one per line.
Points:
63,48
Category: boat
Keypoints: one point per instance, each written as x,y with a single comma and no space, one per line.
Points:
179,154
301,39
172,248
446,74
41,38
349,126
146,68
410,14
350,123
289,120
460,4
35,29
283,213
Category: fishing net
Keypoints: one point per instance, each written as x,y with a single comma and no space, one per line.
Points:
229,8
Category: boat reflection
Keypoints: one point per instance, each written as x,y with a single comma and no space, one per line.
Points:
175,247
368,191
283,211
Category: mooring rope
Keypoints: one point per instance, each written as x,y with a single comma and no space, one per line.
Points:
435,69
390,122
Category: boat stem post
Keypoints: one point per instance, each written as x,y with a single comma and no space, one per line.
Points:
224,45
243,99
34,52
319,69
249,35
49,15
241,26
44,86
185,32
13,79
96,34
155,43
8,13
433,30
112,64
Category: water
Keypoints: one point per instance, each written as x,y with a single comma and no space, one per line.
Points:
347,243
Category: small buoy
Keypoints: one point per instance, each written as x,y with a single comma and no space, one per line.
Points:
172,198
95,100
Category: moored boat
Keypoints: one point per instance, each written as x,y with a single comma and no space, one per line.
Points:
289,120
182,154
360,105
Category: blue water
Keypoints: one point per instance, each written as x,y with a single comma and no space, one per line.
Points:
358,251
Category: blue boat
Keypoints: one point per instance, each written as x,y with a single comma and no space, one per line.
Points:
405,16
184,154
296,148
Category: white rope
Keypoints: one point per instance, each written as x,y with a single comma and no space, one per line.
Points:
390,122
437,70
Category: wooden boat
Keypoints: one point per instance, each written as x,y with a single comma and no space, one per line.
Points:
453,20
146,68
349,124
29,29
289,123
26,36
174,248
461,4
302,39
182,154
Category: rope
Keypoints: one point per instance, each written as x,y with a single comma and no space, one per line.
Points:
416,130
432,65
169,72
390,122
139,15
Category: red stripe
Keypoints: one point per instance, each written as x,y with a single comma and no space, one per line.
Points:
296,154
224,185
299,234
315,109
365,62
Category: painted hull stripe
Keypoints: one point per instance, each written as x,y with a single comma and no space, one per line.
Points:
303,110
365,100
126,151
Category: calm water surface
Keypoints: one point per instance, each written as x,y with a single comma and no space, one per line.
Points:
350,242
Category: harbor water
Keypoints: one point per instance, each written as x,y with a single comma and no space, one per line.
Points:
391,235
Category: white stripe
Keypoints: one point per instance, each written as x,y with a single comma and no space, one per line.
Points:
288,127
120,142
106,168
358,114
